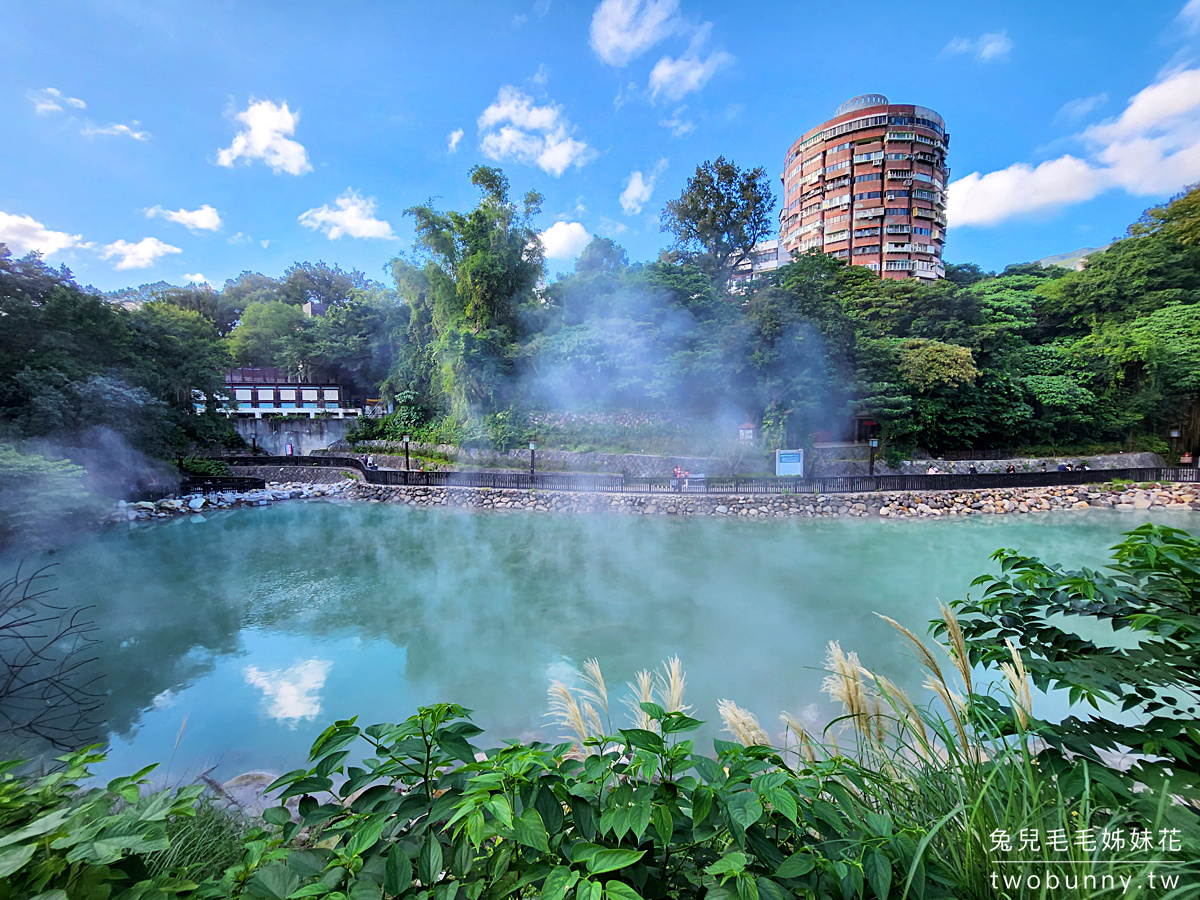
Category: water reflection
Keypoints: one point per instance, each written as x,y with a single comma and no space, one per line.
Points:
260,626
293,693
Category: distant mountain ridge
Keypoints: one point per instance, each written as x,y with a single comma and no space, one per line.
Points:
1073,260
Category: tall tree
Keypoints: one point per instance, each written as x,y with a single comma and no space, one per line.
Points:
721,214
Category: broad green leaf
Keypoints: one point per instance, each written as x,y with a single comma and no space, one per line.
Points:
747,887
397,872
643,739
273,881
880,824
618,890
663,823
277,815
878,870
611,860
796,865
365,837
769,890
462,859
429,860
530,831
37,827
587,890
744,808
558,882
677,722
15,857
729,864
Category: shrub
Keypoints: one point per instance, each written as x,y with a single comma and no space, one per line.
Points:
63,842
196,465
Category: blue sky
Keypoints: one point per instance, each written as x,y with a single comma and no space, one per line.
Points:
165,140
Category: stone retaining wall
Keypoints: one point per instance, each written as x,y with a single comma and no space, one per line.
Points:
997,501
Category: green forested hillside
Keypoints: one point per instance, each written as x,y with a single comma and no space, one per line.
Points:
473,343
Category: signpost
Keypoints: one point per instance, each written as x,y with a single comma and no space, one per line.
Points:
789,462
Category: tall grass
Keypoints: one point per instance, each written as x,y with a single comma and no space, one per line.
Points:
963,778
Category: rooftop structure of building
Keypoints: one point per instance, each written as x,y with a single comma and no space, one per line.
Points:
869,186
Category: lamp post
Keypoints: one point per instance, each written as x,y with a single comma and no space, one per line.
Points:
874,443
407,438
1175,433
532,458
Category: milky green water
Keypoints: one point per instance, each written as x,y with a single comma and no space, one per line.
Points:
254,629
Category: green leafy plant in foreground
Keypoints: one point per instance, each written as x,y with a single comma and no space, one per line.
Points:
58,842
640,815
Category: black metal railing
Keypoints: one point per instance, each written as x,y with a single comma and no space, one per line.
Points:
838,484
209,484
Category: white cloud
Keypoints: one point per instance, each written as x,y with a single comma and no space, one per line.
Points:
51,100
564,240
514,127
24,233
203,219
985,48
639,187
988,199
240,238
294,692
679,124
266,137
675,78
541,76
195,278
141,255
265,244
1190,16
452,140
608,226
1152,148
116,129
622,30
354,215
1080,107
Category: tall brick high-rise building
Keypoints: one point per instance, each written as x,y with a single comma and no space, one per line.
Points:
869,186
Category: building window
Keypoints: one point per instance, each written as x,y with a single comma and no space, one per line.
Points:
866,232
895,212
870,176
865,249
868,157
919,230
869,195
896,195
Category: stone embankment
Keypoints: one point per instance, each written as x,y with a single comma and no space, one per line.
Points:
196,505
998,501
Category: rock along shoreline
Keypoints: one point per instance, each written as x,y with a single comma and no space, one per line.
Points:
888,505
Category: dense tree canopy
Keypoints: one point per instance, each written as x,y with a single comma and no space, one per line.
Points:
472,340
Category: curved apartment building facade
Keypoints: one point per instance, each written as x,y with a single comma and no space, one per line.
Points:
869,186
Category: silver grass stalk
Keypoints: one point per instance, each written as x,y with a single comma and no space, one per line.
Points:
1018,680
958,646
565,709
641,691
670,685
804,745
845,685
742,724
923,653
593,677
